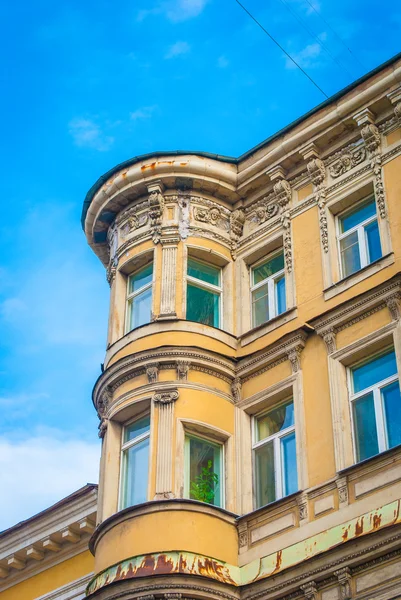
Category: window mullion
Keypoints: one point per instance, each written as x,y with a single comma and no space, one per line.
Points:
278,468
270,288
362,247
380,425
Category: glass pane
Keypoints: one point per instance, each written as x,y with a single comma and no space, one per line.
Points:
357,216
289,458
373,241
392,411
203,306
137,428
141,278
135,483
280,295
365,428
141,308
276,420
264,471
205,471
203,272
260,306
350,259
374,371
268,268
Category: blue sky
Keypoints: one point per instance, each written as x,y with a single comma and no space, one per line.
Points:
87,85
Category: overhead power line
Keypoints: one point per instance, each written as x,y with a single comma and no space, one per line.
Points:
316,37
281,48
336,34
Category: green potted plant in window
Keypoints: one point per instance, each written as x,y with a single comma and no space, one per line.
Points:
203,488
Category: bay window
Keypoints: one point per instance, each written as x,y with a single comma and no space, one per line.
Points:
139,297
204,293
274,454
358,237
268,293
375,405
135,462
204,470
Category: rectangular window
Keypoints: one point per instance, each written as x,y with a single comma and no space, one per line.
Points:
204,293
139,297
358,237
204,471
275,455
268,289
375,405
135,462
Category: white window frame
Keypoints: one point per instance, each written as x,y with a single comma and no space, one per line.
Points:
271,289
360,229
381,426
131,296
276,439
187,458
208,286
126,446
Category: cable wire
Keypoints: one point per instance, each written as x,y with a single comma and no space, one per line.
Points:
316,37
281,48
336,34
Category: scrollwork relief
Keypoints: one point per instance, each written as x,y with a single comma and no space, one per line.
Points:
165,397
371,136
347,160
286,223
155,207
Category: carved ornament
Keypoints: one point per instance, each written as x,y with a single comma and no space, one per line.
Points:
182,370
236,387
152,372
207,215
286,223
155,208
347,160
344,579
165,397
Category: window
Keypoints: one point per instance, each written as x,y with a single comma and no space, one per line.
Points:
275,456
358,237
268,289
139,297
135,462
376,405
203,293
204,470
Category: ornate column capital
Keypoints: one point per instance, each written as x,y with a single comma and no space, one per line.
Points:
310,590
294,356
183,369
344,579
165,397
329,337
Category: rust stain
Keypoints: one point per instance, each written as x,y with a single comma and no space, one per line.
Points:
345,535
377,519
124,175
279,560
145,167
359,527
210,568
147,566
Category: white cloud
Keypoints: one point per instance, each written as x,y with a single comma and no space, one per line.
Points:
143,113
306,57
86,133
48,468
177,49
222,62
175,11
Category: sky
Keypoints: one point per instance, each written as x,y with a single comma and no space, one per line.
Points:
86,85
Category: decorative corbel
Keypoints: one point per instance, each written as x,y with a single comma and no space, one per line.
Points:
167,397
302,502
329,337
152,372
344,579
182,370
155,207
310,590
236,389
395,99
342,487
393,304
317,174
371,137
237,220
294,356
243,534
282,193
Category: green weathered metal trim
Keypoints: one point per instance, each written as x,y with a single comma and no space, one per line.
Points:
187,563
229,159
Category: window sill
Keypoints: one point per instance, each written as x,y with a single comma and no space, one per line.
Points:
257,332
374,462
361,275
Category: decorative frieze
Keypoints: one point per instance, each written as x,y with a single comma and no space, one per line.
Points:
207,215
348,158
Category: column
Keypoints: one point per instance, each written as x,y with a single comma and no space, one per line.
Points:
169,277
164,462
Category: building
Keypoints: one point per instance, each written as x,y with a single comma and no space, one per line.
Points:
250,406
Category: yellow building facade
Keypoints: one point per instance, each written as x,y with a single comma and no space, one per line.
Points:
249,407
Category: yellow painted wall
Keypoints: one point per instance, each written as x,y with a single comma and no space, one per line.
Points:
362,328
51,579
205,407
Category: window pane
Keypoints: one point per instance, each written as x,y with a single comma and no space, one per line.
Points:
350,259
205,471
276,420
365,428
203,306
374,371
264,471
268,268
289,458
137,428
135,483
280,295
357,216
141,278
373,241
141,308
203,272
392,411
260,306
